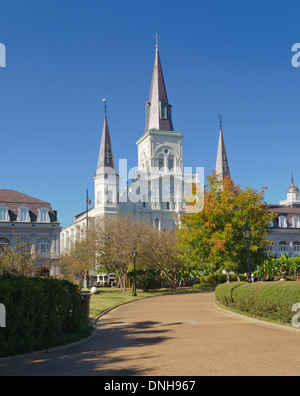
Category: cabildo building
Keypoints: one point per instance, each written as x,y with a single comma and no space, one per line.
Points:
29,225
285,235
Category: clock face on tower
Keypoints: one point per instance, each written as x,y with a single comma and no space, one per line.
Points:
168,188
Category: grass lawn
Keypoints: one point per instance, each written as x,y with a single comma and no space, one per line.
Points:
110,297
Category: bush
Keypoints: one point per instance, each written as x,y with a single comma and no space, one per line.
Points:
150,280
272,301
38,312
215,280
223,293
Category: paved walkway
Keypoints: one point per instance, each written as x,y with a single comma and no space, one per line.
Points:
182,335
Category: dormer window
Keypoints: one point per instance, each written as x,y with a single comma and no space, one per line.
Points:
43,216
296,222
282,222
4,213
23,215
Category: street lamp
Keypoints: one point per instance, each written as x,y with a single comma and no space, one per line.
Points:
134,254
247,235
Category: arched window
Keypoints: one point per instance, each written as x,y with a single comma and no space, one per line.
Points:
43,247
23,246
283,246
271,248
4,245
296,246
169,225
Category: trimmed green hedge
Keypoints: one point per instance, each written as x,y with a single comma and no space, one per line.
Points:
215,280
39,313
267,300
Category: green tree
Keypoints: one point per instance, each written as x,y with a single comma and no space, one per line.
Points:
213,238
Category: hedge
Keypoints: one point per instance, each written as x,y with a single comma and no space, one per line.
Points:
215,280
38,312
266,300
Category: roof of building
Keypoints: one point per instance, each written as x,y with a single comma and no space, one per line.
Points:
14,200
292,189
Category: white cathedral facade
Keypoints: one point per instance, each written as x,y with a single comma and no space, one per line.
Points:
160,183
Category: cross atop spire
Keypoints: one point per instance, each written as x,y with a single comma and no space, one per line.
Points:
220,115
105,106
157,38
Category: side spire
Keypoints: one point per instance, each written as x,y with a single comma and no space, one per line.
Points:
158,109
222,167
106,163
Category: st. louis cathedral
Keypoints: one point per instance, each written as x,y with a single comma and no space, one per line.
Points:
160,183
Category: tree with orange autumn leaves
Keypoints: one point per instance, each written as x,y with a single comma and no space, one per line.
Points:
213,239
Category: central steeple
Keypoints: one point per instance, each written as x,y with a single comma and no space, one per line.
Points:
158,109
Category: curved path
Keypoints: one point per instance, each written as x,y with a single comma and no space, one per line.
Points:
184,335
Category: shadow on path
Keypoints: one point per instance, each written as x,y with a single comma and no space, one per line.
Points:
111,346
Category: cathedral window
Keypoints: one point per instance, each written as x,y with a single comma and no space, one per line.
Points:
164,109
147,108
161,162
171,162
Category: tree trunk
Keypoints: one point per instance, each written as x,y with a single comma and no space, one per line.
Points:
227,277
238,277
122,280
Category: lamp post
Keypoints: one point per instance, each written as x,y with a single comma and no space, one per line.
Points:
247,235
134,254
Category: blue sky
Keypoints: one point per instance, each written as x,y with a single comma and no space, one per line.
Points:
218,56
